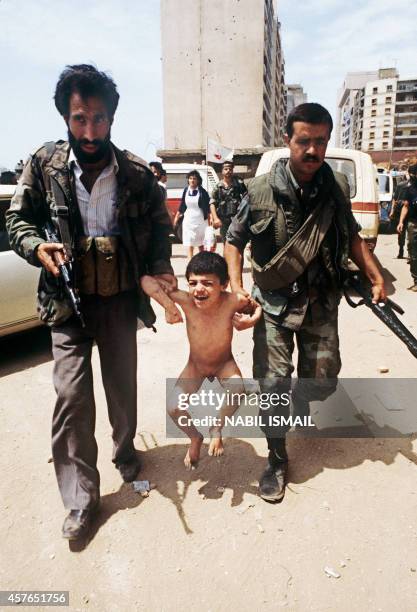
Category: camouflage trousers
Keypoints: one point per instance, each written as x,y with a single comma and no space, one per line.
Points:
318,361
412,248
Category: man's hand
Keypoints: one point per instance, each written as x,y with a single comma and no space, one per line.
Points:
400,227
168,282
378,293
217,223
45,254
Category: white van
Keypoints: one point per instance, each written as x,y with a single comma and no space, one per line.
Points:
177,181
362,178
18,280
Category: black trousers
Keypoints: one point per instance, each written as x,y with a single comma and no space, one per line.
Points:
111,323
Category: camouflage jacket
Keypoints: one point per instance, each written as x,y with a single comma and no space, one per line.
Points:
143,220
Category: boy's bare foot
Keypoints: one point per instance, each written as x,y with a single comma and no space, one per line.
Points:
193,453
216,448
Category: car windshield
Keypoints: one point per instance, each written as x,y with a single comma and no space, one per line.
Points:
346,167
383,183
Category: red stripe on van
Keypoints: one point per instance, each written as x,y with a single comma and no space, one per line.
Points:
364,207
173,205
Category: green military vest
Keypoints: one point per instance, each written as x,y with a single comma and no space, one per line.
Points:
276,216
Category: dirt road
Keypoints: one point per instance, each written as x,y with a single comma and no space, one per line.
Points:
204,540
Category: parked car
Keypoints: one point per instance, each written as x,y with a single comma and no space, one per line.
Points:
362,178
18,280
177,181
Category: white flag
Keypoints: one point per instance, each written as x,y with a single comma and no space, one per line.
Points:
217,153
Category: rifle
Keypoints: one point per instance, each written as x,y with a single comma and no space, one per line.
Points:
383,310
65,269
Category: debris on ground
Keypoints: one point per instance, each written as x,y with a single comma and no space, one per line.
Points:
141,486
331,573
244,508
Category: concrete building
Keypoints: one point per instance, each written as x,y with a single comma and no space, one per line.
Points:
295,96
223,76
344,128
380,117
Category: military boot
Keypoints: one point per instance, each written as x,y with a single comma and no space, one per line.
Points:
273,480
400,253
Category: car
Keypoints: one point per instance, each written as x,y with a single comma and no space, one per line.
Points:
177,181
18,280
387,184
361,175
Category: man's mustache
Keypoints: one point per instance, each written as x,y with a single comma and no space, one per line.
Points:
308,158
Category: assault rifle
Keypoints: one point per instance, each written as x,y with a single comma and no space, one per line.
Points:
65,270
383,310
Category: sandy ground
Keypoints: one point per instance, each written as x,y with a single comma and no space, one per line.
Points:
204,540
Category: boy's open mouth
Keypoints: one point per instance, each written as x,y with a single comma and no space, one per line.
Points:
201,298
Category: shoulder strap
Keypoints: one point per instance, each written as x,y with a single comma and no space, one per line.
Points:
62,212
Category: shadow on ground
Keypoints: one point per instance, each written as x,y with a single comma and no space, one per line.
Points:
239,469
25,350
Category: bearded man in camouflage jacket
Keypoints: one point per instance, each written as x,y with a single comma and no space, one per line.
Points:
110,213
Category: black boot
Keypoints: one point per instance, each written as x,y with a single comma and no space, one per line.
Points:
272,482
400,253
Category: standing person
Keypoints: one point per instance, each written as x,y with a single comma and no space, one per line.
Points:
110,213
159,173
395,214
226,198
298,287
194,211
409,212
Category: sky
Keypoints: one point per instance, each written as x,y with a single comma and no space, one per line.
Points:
322,41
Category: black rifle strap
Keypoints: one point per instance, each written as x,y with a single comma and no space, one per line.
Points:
62,212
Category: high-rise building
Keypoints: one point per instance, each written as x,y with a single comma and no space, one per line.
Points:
295,96
379,116
223,75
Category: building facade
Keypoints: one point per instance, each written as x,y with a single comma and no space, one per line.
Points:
223,76
380,117
295,96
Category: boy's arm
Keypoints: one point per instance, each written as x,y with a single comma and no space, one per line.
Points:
245,320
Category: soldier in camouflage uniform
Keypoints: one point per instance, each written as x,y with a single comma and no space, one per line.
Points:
409,212
226,198
110,213
301,228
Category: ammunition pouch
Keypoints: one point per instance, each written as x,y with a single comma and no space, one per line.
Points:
103,266
53,306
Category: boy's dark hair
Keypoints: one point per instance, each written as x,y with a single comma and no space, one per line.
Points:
87,81
309,112
412,169
206,262
197,175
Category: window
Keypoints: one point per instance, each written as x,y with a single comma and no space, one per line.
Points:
389,87
386,134
387,123
374,101
388,100
385,145
399,133
372,123
371,135
375,90
413,133
371,146
387,111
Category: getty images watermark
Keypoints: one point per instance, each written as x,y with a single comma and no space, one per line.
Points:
347,408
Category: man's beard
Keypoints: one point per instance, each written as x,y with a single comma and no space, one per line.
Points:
89,158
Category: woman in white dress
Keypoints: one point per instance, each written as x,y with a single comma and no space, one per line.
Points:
195,210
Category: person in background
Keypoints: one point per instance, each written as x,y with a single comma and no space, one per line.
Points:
226,198
194,212
395,214
409,211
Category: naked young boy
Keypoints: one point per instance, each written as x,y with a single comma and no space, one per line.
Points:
211,313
